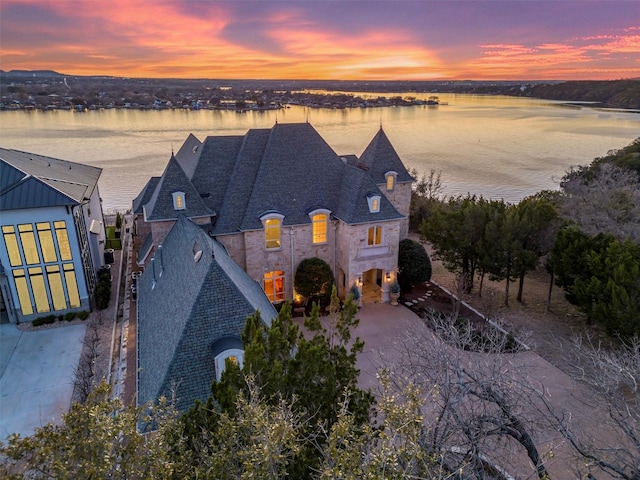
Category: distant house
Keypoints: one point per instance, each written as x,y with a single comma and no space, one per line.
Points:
274,197
52,240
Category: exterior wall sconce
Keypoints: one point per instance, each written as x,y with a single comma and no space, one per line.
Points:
359,279
388,276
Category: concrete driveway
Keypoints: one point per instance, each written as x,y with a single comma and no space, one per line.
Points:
37,371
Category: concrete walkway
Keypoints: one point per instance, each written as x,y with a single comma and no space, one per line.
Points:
37,371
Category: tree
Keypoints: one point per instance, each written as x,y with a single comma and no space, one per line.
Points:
313,279
312,372
507,256
425,196
96,439
603,198
456,230
541,215
481,407
615,374
413,264
601,276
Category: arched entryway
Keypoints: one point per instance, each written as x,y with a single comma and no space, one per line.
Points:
372,286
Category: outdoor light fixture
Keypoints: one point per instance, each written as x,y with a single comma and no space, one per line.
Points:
360,279
388,276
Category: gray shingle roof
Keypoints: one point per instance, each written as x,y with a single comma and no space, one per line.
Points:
145,195
192,305
28,180
380,157
174,179
288,169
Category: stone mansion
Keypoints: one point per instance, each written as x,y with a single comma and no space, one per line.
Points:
274,197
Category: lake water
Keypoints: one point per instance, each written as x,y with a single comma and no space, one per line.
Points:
498,147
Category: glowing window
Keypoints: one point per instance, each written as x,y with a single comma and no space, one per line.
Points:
274,285
233,356
39,289
374,203
29,246
374,236
23,291
72,285
46,242
56,288
272,231
319,225
64,247
178,201
11,243
391,180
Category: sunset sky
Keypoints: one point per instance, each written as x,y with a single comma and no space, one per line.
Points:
331,39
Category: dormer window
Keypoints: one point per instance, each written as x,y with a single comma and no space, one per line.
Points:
227,349
374,203
319,225
272,224
391,180
178,201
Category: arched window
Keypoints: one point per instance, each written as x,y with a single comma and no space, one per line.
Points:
374,203
391,180
178,201
228,348
272,223
273,285
319,225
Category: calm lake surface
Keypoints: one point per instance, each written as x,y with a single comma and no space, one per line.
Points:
498,147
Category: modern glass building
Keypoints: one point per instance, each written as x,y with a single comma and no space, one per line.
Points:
52,235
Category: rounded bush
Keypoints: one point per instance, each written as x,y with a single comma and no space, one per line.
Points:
313,279
414,264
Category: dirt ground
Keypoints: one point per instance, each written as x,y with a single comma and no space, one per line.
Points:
549,333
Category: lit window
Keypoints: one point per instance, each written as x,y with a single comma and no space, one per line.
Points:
391,180
23,291
374,236
46,242
178,201
29,247
55,287
64,247
374,203
72,285
233,356
319,226
274,285
11,243
39,289
272,232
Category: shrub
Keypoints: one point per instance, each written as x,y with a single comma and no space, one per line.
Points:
38,321
414,264
83,315
314,279
70,316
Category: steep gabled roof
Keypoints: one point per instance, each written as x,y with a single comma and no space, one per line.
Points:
28,180
288,169
212,174
145,195
380,157
189,154
356,187
173,179
175,338
298,170
237,193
